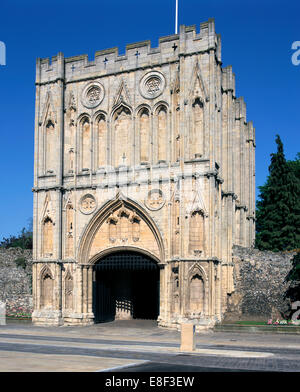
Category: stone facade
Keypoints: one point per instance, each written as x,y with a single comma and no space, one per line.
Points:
148,152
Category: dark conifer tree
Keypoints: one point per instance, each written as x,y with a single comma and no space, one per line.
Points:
295,165
278,207
293,292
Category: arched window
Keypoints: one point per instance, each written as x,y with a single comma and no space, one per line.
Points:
162,133
49,147
196,293
196,231
122,127
47,237
85,144
197,142
69,231
144,128
101,140
69,140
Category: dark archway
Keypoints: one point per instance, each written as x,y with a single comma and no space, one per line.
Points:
125,286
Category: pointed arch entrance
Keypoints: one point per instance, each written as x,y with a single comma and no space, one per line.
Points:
122,259
125,286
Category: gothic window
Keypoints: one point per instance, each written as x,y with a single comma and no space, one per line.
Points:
47,237
198,129
122,125
85,144
196,232
196,294
144,127
69,136
162,133
101,135
49,147
46,289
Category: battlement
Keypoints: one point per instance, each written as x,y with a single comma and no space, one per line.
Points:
137,55
240,109
228,80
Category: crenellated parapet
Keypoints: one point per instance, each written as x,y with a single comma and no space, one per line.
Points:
137,55
228,80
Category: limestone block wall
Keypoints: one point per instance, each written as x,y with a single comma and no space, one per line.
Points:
259,284
15,282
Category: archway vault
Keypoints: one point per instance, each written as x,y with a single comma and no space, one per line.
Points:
120,225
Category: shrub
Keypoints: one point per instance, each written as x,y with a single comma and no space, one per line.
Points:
21,262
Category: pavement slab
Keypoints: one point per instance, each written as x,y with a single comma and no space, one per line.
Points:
11,361
128,346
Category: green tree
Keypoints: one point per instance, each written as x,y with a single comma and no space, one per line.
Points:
278,207
23,240
293,292
21,262
295,165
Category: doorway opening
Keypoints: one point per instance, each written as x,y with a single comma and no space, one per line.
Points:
125,286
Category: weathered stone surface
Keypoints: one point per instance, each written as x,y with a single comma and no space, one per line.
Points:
259,284
15,282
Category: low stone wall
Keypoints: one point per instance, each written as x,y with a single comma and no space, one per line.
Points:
15,282
259,285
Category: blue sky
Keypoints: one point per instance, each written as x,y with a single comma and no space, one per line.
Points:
256,40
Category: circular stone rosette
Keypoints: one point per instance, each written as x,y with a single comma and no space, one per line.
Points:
92,95
87,204
155,200
152,85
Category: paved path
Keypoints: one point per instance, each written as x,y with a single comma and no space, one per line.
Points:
141,346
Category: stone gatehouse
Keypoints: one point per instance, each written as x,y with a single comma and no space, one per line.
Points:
143,180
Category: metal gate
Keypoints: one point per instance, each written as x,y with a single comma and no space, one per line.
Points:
107,273
103,301
126,261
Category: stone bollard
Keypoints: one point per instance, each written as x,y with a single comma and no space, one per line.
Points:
2,313
188,342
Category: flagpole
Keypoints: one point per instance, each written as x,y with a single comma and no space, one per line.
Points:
176,18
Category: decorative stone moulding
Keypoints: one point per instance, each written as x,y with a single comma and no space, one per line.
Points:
155,200
152,85
87,204
92,95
